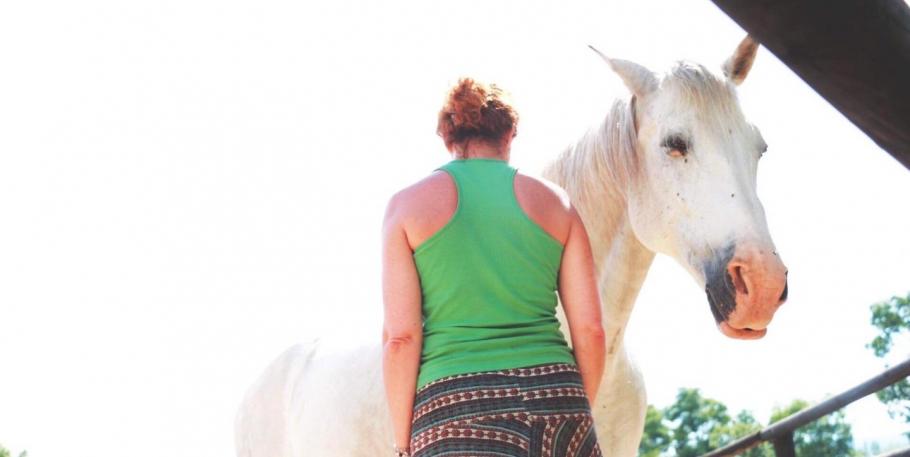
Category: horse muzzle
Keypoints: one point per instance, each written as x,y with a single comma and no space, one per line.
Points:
745,286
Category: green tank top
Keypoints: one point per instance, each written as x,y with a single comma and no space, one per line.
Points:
488,280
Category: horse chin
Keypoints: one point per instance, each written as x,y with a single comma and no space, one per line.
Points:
741,334
722,303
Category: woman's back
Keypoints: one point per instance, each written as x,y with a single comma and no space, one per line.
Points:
488,268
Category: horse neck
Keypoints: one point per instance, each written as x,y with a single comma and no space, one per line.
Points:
622,266
621,261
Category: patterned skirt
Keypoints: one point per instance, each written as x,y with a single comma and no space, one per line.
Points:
535,411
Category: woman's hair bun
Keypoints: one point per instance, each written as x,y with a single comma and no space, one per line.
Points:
475,110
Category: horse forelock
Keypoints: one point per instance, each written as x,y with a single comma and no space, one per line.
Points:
701,91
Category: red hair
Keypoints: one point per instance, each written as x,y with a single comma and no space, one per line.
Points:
474,110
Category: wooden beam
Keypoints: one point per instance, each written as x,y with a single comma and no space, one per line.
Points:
854,53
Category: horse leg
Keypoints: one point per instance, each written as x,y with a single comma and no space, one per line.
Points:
619,411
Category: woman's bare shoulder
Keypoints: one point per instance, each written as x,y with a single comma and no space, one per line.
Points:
545,190
426,193
545,203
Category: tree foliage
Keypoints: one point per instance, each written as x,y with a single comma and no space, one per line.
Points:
744,424
4,452
695,417
829,436
656,438
892,318
701,424
695,425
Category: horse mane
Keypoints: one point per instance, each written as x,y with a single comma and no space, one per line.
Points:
604,158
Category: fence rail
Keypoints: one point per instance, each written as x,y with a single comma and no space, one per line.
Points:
780,434
898,453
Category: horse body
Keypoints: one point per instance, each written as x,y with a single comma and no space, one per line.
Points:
645,180
324,397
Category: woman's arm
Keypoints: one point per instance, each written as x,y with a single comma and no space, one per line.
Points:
581,303
402,331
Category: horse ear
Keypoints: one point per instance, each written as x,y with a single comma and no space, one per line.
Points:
637,78
737,66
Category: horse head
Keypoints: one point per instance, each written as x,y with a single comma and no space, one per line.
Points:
692,195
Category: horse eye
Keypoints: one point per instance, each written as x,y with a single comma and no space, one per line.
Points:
676,145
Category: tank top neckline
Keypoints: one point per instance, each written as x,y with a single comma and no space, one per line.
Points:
481,159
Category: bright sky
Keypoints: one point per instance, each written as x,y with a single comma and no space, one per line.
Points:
189,187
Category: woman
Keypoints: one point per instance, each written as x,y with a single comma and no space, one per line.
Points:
473,255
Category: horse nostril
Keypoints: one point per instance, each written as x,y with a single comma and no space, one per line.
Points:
739,283
783,296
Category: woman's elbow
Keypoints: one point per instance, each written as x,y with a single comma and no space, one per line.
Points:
593,331
405,341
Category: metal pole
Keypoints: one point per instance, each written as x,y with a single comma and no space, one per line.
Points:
783,446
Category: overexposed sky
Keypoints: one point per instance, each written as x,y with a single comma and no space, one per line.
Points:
189,187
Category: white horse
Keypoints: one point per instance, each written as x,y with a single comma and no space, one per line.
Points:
670,170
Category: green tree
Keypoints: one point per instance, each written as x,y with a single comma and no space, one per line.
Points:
744,424
698,425
892,318
695,425
829,436
694,418
4,452
656,438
